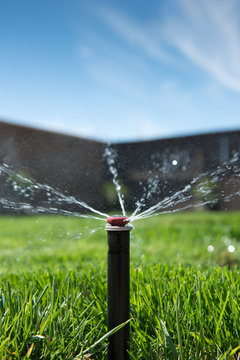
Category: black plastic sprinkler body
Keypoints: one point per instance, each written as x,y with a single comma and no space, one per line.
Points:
118,286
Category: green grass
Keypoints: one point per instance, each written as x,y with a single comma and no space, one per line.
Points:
184,299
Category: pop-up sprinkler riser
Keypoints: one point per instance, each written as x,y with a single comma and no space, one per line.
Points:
118,285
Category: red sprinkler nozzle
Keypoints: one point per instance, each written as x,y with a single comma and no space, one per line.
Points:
117,220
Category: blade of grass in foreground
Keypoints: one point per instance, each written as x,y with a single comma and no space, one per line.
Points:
169,340
178,328
104,337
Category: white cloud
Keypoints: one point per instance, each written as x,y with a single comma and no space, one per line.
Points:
135,33
207,32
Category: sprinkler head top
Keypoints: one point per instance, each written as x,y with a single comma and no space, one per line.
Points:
117,220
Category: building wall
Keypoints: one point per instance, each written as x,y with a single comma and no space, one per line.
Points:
70,164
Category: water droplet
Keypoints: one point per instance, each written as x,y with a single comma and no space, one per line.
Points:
210,248
231,248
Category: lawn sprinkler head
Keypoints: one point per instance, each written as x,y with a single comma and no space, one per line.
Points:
118,231
118,220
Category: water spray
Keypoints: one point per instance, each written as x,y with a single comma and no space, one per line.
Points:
118,285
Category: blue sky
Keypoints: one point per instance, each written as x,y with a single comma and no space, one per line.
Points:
121,70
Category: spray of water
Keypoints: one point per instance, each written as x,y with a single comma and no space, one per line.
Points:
149,191
29,189
110,156
228,173
162,163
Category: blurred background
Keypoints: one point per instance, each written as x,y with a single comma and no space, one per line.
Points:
120,70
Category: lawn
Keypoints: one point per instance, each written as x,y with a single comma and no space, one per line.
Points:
184,287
